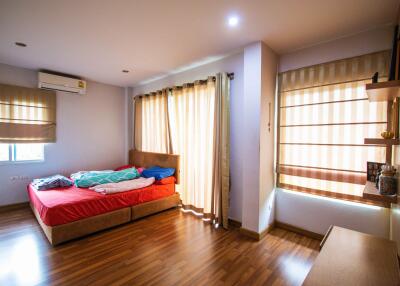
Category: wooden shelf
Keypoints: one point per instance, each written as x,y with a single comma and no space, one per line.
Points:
381,141
383,91
388,143
372,193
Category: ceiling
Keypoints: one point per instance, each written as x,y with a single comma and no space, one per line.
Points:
97,39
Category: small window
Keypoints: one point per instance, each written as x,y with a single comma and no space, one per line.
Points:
28,152
21,152
4,152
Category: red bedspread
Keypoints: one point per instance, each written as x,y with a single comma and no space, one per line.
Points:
64,205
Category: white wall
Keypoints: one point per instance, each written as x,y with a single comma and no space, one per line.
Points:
233,63
251,136
363,43
267,138
260,66
91,134
318,213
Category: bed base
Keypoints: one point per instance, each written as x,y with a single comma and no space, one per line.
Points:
65,232
156,206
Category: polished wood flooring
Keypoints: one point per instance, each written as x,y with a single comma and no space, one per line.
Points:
170,248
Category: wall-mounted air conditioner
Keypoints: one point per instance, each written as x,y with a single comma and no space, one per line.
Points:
61,83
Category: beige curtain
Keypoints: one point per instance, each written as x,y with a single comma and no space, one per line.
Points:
220,205
151,123
27,115
324,116
192,128
192,121
138,123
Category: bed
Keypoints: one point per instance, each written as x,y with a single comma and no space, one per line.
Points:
69,213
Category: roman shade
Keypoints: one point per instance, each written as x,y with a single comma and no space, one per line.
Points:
324,116
27,115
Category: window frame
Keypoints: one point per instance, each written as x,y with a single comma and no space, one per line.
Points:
12,155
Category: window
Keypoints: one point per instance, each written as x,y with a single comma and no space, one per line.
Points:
324,116
4,152
21,152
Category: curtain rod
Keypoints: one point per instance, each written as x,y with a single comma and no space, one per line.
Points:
231,76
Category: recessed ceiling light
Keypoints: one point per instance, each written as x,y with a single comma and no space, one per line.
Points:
20,44
125,71
233,21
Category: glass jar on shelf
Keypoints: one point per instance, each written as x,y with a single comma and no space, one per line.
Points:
388,181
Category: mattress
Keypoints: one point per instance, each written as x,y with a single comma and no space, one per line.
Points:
64,205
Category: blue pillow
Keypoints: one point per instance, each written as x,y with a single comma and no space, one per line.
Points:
158,173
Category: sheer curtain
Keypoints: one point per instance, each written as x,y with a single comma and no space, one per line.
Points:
151,123
192,129
193,122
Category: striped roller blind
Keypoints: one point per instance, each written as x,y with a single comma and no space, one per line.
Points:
324,116
27,115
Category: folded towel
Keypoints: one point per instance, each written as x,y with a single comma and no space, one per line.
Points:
124,186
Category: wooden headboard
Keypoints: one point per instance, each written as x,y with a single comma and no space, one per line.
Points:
148,159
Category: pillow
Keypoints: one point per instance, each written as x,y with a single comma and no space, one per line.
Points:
124,167
158,173
166,181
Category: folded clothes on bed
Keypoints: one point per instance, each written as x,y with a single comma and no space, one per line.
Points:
112,188
90,179
56,181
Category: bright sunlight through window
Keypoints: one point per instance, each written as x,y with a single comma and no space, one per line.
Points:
21,152
4,152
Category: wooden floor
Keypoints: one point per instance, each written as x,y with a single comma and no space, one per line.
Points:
171,248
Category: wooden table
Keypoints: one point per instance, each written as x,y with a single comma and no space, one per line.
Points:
353,258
